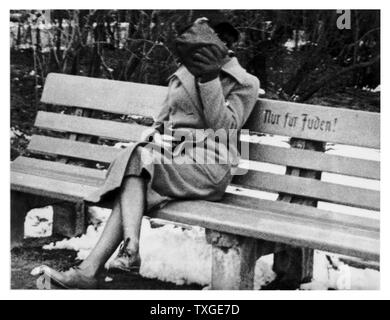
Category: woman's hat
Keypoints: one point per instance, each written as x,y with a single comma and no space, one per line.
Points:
218,21
198,35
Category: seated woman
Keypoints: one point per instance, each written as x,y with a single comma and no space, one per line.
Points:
210,91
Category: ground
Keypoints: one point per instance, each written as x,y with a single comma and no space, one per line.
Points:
31,255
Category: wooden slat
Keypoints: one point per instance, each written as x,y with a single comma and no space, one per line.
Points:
314,161
296,210
58,170
358,128
104,95
125,98
362,198
95,127
48,187
73,149
258,224
360,263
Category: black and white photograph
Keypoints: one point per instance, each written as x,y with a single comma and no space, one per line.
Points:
195,150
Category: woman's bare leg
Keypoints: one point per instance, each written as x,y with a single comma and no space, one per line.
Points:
132,204
107,244
124,222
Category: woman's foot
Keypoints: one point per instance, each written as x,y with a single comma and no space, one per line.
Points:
74,278
127,260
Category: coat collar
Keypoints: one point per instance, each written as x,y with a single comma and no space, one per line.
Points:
234,69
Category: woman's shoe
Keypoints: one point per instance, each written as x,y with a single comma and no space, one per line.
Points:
125,260
71,279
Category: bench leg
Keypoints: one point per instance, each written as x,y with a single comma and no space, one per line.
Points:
293,267
69,219
233,261
19,208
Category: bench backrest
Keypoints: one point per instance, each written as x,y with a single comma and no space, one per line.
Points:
332,125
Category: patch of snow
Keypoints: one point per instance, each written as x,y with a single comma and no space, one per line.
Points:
339,276
39,223
377,89
82,244
172,254
291,44
15,133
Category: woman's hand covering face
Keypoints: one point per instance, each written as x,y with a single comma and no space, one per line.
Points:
205,63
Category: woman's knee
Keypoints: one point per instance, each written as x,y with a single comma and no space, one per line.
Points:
134,184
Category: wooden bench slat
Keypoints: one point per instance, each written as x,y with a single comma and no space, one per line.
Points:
291,209
73,149
277,214
89,126
250,223
49,187
362,198
95,177
105,95
311,188
339,125
315,161
261,222
264,153
257,223
59,170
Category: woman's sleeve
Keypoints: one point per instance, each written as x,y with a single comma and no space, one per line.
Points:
162,117
230,112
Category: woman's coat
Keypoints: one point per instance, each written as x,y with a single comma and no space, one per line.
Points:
190,108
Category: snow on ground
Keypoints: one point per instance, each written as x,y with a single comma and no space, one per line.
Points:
376,90
15,133
182,256
39,223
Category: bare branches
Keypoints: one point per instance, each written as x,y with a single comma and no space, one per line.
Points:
330,77
136,45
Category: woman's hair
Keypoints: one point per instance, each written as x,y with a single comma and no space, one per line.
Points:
227,33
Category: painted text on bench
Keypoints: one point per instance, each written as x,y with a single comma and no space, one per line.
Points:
303,121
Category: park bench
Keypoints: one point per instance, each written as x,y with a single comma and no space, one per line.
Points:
84,117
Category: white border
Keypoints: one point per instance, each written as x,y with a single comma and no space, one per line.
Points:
6,293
